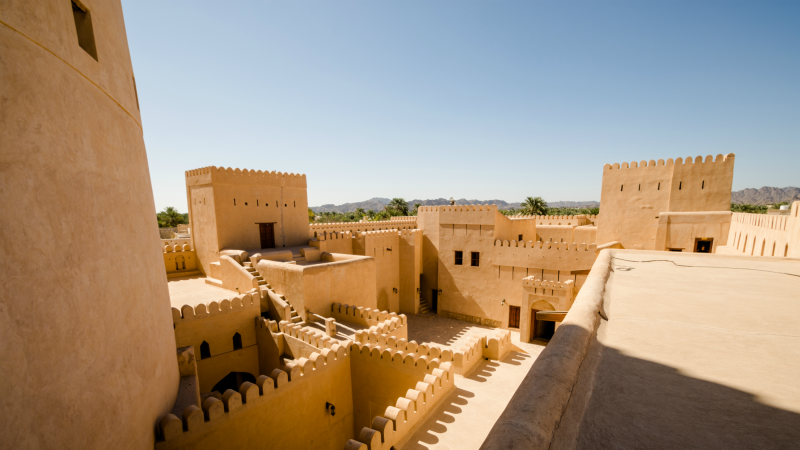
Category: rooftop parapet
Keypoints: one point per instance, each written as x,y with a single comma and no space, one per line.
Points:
533,283
551,255
728,158
211,174
238,303
531,217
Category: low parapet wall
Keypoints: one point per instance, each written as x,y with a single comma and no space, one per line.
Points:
764,235
533,414
317,229
551,255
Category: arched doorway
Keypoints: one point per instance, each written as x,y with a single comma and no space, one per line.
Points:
541,329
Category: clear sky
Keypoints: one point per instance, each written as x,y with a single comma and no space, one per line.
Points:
474,99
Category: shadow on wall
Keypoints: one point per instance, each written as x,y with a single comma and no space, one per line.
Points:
437,422
633,403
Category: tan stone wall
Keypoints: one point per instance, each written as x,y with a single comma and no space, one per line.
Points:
681,230
384,247
396,223
177,262
634,195
88,354
428,222
280,412
226,206
765,235
315,287
410,270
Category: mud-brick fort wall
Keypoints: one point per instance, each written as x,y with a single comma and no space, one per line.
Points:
87,346
226,206
634,194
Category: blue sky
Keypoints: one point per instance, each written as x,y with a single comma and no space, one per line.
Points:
475,99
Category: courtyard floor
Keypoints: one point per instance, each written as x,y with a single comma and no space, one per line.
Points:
463,420
193,290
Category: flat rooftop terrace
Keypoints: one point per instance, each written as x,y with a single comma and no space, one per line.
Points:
690,351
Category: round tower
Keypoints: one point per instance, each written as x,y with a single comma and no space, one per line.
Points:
87,350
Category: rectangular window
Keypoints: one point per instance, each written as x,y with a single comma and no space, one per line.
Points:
476,259
459,258
513,317
83,26
520,238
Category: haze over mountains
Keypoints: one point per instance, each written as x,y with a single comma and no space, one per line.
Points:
765,195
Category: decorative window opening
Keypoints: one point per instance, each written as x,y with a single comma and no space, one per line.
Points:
237,341
83,26
476,259
459,258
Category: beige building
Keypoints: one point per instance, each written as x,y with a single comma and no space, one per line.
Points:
363,335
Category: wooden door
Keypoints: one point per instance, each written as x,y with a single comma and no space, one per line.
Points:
513,316
267,231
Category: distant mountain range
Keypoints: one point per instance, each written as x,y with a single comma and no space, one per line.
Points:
764,196
377,204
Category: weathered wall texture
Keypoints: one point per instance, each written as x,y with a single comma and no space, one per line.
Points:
634,195
88,355
226,206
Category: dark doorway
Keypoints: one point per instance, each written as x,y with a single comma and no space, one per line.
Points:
541,329
205,350
434,299
233,381
267,232
237,341
513,316
703,245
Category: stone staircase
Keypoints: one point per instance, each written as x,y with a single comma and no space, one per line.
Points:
248,266
423,306
262,283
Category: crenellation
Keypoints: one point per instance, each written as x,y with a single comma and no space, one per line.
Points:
720,158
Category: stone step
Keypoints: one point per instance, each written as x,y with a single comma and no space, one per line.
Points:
262,282
297,319
248,264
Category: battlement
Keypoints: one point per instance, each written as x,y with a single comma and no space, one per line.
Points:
728,158
590,217
211,174
323,225
177,248
250,396
564,246
533,283
398,421
552,255
334,235
459,208
365,316
235,304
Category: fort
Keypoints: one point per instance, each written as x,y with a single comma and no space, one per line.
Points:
663,321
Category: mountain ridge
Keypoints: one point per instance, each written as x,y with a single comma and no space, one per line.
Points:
762,196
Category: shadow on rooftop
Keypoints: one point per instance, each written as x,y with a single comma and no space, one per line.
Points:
620,401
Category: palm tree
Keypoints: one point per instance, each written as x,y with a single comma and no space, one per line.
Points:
399,205
170,218
416,208
535,206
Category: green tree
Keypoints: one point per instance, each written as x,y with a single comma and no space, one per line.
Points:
535,206
360,212
170,218
311,216
397,205
747,208
416,208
